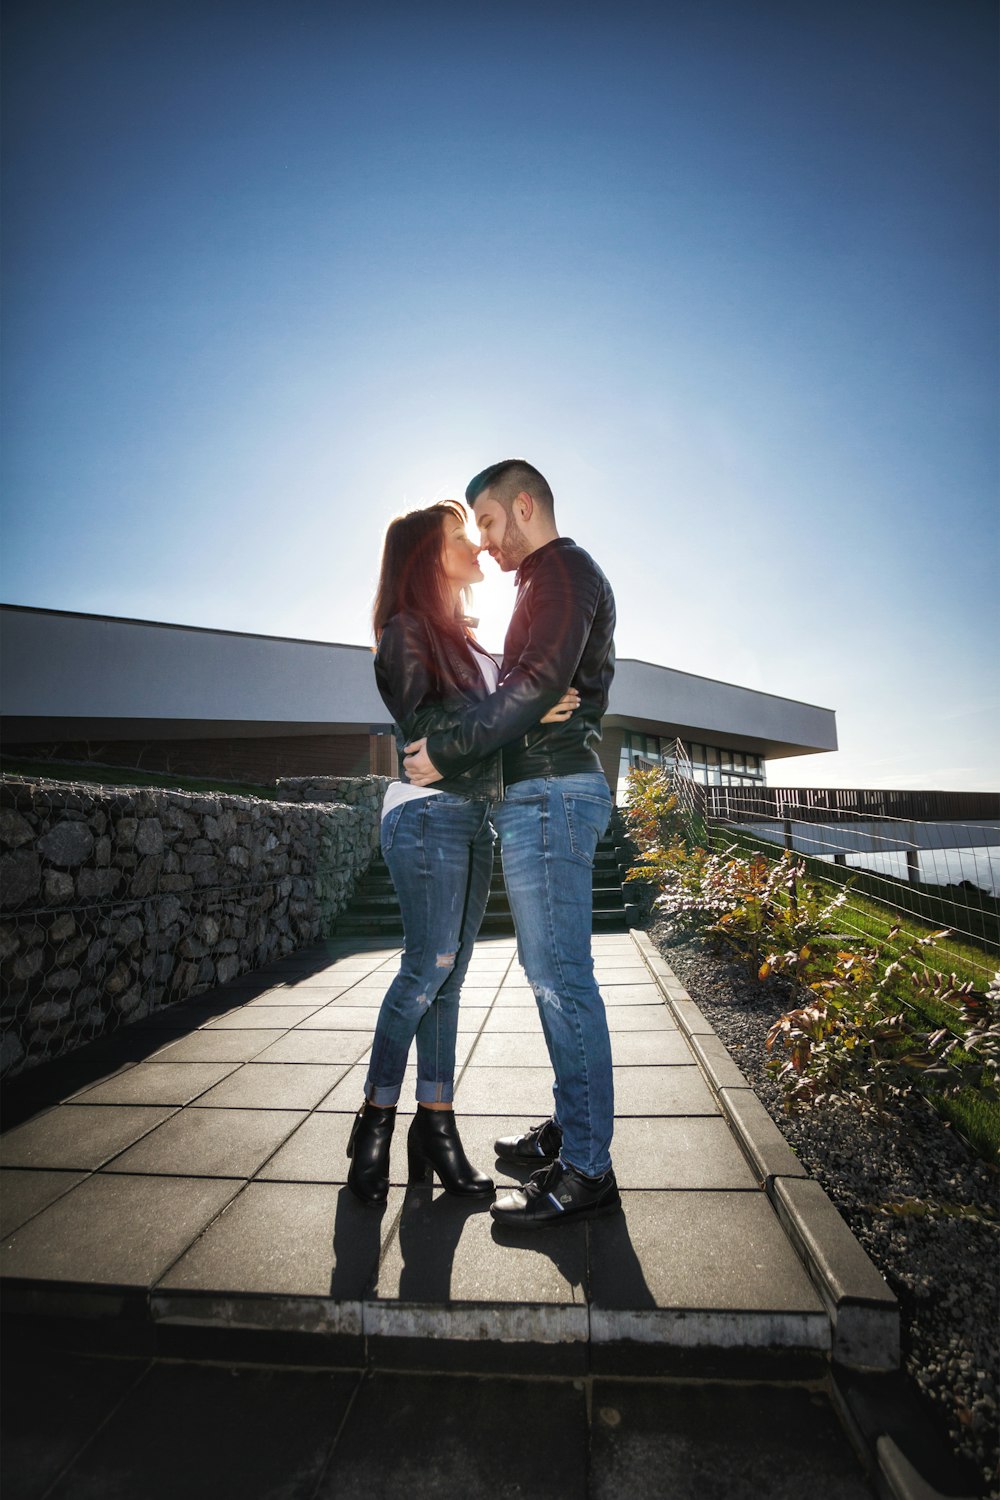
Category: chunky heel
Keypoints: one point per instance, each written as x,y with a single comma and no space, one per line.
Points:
433,1145
368,1151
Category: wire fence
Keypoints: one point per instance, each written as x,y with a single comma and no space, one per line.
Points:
921,874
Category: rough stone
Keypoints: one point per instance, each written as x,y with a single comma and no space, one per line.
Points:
28,964
149,837
48,1010
67,845
167,911
71,951
127,1002
62,979
96,885
145,879
59,887
62,928
11,1051
125,832
14,829
20,877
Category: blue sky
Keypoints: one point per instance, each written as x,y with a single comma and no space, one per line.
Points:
725,271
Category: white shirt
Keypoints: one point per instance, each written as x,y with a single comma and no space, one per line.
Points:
398,792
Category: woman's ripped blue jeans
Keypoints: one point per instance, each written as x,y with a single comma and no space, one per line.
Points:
439,851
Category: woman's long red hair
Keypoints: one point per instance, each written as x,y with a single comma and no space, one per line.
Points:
411,576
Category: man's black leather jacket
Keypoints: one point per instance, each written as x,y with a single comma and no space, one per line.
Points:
427,678
561,635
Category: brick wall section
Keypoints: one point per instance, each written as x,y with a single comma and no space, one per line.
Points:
117,901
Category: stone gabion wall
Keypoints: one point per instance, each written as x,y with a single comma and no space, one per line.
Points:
357,791
117,901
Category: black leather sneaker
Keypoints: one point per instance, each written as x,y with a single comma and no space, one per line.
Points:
540,1143
555,1195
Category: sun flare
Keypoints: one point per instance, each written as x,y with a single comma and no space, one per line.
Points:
492,603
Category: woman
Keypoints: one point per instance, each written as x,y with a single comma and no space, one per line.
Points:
437,842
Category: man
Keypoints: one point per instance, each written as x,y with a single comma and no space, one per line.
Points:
556,806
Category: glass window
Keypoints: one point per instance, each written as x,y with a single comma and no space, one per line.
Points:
712,756
714,776
739,762
727,762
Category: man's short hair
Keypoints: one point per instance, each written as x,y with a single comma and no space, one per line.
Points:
506,480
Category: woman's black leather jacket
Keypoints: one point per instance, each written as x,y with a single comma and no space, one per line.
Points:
426,678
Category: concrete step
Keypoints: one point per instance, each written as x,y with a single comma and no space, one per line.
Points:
374,909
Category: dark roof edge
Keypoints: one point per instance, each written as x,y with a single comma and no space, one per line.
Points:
739,686
298,640
252,635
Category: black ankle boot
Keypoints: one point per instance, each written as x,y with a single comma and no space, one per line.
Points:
434,1145
368,1148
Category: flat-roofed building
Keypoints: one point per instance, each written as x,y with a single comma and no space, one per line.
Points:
220,703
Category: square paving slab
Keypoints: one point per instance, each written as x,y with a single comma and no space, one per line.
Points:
122,1231
210,1143
460,1439
24,1193
262,1018
78,1135
704,1443
316,1047
632,994
301,1239
649,1049
216,1046
680,1152
158,1083
512,1018
245,1433
715,1251
639,1018
490,1091
350,1091
343,1018
510,1049
662,1091
445,1251
52,1405
327,979
317,1152
274,1086
290,998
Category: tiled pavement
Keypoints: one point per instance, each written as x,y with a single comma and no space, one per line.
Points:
178,1191
207,1167
201,1177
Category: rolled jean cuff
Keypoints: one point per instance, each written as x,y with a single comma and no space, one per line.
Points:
587,1171
429,1092
384,1097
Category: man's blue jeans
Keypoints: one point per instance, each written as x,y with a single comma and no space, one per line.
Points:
440,855
549,829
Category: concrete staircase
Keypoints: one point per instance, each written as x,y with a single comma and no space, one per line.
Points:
374,910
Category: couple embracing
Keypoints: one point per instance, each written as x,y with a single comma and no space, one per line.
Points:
481,749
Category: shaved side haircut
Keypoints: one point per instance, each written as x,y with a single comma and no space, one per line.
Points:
506,480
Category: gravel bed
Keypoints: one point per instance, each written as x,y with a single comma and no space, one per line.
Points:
945,1269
